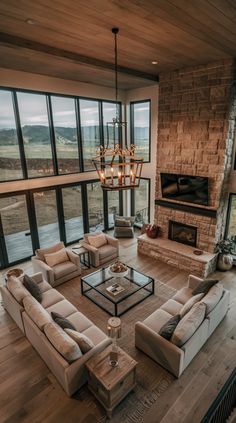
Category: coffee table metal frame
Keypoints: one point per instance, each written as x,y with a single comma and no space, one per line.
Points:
87,287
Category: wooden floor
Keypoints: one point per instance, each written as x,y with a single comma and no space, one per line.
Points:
30,393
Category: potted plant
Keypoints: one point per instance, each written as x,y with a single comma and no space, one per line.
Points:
225,260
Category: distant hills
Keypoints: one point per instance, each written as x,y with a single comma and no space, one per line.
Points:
39,134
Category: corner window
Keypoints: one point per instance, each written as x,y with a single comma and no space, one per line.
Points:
140,128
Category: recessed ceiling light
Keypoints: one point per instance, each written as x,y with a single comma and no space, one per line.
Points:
154,62
32,22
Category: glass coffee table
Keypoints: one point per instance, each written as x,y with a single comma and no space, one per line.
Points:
116,295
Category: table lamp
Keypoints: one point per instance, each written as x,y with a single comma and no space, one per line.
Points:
114,332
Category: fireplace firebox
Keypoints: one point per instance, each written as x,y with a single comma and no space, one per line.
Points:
185,234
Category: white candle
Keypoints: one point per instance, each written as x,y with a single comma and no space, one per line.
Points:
112,175
119,178
131,176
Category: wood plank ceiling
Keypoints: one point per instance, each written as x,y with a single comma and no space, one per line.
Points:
72,39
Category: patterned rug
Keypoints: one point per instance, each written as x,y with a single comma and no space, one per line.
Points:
152,379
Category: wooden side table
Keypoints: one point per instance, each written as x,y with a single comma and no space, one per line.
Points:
83,254
110,385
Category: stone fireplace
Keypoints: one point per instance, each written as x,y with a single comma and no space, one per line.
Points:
185,234
196,130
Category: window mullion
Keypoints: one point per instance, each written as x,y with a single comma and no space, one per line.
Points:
20,136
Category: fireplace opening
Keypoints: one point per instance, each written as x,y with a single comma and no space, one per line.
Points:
185,234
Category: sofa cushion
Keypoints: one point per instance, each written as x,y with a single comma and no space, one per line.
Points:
98,240
63,322
64,269
168,328
33,288
157,319
204,286
42,251
95,334
44,286
172,307
84,343
80,322
212,297
55,258
183,295
16,288
62,342
64,307
189,324
188,305
36,312
106,251
51,297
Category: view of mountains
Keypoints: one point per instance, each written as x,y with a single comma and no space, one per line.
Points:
39,134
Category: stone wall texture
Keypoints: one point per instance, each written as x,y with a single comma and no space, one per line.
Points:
196,128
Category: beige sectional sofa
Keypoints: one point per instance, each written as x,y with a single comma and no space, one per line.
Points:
34,320
176,358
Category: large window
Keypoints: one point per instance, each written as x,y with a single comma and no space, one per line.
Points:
140,128
231,226
90,131
65,130
10,163
73,213
141,202
95,206
36,135
47,217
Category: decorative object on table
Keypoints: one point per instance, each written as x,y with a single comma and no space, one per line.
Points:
144,228
152,231
114,332
115,289
118,269
17,272
198,252
117,166
225,259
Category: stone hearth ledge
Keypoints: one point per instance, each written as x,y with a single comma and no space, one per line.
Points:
177,255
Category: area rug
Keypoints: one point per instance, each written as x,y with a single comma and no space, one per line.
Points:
152,379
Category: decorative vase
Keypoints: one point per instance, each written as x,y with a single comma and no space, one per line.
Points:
225,262
152,231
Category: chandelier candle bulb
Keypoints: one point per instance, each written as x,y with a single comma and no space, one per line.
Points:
112,175
131,177
119,178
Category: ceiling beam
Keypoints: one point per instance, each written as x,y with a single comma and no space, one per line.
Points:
13,40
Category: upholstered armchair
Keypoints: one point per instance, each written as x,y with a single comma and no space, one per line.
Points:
102,247
57,264
124,226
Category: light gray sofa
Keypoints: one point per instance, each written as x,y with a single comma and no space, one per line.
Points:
170,356
103,254
71,375
61,272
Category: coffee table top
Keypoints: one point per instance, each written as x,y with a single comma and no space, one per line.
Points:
107,375
102,279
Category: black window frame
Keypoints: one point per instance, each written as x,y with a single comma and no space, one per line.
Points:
132,141
48,95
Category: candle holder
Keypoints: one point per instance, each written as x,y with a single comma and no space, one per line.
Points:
114,332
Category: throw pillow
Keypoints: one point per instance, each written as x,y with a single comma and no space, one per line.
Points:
62,321
56,258
16,288
63,343
189,324
97,241
168,328
33,288
204,286
190,303
82,340
36,312
213,297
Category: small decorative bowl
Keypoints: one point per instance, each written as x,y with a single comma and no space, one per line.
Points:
118,274
198,252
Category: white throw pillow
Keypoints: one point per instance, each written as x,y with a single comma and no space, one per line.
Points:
189,324
97,241
56,258
190,303
16,288
36,312
213,297
62,342
82,340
